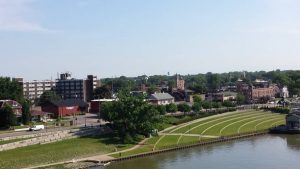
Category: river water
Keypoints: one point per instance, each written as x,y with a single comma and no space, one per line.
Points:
263,152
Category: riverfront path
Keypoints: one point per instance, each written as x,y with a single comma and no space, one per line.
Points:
193,135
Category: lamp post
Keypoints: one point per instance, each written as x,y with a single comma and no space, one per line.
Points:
85,120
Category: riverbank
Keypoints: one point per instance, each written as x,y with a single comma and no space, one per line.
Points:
181,147
260,152
60,152
210,130
94,163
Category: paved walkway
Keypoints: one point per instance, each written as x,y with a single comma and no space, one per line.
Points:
192,135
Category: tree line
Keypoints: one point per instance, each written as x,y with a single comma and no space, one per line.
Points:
202,83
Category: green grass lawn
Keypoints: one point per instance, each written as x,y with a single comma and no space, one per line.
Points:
167,141
269,123
223,126
232,129
228,124
211,120
215,130
231,123
59,151
147,147
264,123
188,140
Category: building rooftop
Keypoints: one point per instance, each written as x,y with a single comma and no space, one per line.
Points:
161,96
103,100
69,103
12,103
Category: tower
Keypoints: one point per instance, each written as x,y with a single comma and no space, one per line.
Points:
180,83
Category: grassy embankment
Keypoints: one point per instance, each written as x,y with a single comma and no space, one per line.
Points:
59,151
226,125
193,132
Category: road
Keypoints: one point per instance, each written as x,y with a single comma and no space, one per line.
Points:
82,121
91,120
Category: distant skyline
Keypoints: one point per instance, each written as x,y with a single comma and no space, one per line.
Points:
109,38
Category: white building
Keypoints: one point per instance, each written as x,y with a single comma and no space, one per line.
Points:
284,92
34,89
161,99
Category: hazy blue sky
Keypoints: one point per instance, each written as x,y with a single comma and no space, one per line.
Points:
39,38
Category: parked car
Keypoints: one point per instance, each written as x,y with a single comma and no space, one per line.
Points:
37,127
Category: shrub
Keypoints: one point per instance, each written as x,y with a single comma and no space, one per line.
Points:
206,105
282,110
196,107
161,109
228,103
171,108
184,107
216,105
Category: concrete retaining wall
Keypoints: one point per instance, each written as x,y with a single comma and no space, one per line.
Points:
50,137
180,147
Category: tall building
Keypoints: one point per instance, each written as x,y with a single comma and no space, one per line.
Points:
91,83
34,89
180,83
71,88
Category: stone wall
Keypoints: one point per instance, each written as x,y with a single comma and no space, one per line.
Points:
50,137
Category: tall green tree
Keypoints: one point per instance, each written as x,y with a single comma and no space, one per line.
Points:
7,117
121,83
131,116
197,99
10,89
151,90
103,92
26,114
213,81
47,97
240,99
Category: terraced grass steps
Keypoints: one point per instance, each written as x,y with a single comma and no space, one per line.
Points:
219,126
212,128
187,126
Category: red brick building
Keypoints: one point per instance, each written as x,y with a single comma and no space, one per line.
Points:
67,107
95,105
258,91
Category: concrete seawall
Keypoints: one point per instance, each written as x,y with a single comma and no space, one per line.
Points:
181,147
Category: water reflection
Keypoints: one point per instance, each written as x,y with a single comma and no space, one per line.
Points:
293,142
266,152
